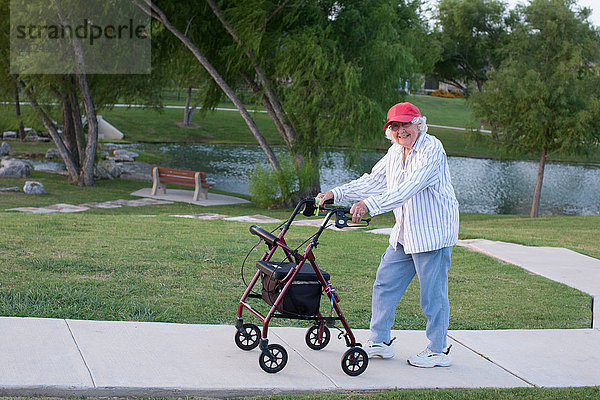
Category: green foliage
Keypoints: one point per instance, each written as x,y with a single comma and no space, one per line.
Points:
263,186
268,187
470,33
547,92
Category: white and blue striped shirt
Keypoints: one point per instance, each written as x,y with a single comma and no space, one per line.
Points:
419,191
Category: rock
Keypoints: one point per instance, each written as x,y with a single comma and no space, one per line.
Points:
34,187
52,153
50,166
9,135
123,155
32,138
108,169
4,149
136,171
13,168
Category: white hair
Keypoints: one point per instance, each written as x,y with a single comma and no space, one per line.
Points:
421,122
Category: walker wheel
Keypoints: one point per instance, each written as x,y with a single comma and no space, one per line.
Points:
355,361
275,361
248,338
312,337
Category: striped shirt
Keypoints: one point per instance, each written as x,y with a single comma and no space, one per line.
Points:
417,189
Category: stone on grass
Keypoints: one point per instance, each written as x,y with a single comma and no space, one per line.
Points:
4,149
34,187
13,168
52,153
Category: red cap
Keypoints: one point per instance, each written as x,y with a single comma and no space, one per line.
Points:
402,112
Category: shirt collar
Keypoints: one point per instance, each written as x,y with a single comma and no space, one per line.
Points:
418,144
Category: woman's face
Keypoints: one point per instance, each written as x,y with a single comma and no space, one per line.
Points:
404,133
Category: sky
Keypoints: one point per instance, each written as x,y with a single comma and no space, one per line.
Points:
593,4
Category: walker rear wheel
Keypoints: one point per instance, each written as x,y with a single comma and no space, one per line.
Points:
248,338
355,361
275,361
312,337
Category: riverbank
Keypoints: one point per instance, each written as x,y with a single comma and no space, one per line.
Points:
151,125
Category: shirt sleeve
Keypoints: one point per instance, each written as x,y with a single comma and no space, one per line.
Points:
365,186
425,173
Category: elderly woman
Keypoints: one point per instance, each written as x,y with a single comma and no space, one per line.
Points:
413,181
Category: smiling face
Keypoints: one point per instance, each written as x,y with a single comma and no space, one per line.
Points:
404,133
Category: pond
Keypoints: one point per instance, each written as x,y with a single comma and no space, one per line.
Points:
481,185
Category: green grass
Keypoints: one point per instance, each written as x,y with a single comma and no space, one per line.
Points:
138,263
580,393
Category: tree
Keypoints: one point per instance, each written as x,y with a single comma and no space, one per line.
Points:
545,97
325,71
470,33
75,91
154,11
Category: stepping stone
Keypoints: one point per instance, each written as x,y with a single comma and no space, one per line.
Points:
34,210
105,204
55,208
204,216
381,231
254,218
317,222
66,208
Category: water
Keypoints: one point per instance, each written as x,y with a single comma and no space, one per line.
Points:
481,185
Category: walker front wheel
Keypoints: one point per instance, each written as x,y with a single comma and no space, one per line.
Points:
355,361
275,361
248,338
312,337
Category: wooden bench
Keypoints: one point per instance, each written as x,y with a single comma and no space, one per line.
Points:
161,176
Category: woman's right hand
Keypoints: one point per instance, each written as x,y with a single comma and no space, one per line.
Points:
325,196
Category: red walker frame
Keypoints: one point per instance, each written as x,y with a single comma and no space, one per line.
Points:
274,357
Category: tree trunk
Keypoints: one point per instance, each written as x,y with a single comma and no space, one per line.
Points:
535,206
86,177
47,122
288,132
189,111
186,111
77,124
21,128
152,10
69,134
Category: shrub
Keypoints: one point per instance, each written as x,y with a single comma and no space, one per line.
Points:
268,187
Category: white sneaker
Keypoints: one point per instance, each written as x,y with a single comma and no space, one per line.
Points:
429,359
382,349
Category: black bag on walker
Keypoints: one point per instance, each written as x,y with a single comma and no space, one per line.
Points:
304,295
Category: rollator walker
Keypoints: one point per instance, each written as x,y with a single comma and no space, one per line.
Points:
293,288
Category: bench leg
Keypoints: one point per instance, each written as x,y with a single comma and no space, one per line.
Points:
158,188
200,193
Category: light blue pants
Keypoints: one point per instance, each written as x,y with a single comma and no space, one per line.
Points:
395,272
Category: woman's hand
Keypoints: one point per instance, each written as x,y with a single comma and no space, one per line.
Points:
324,197
358,210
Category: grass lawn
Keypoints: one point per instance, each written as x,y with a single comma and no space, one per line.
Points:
139,263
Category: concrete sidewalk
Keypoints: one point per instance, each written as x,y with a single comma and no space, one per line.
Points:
55,357
213,199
